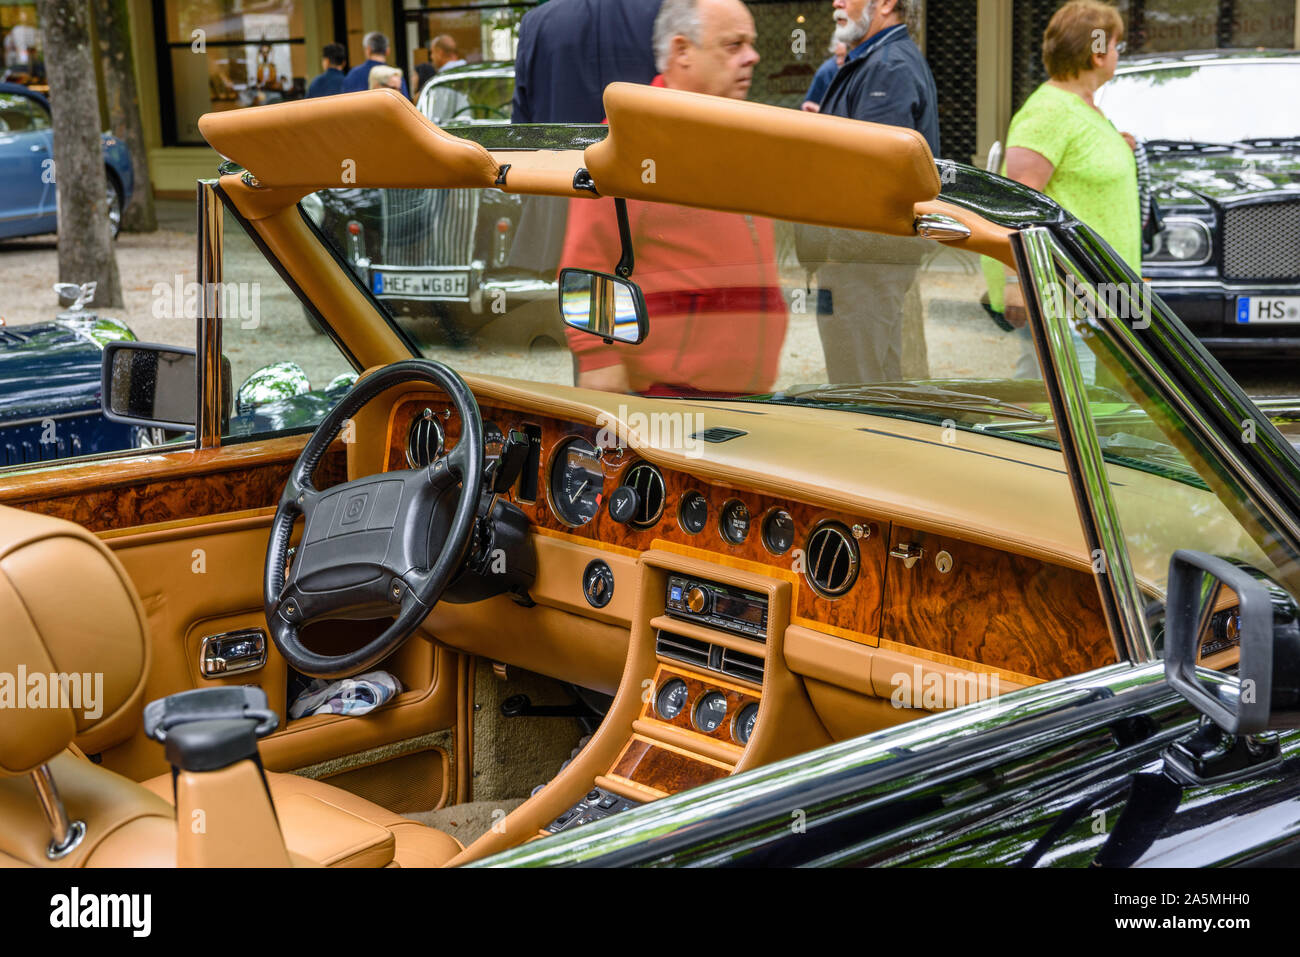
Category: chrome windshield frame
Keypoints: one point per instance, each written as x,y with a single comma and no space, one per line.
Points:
1122,601
1192,397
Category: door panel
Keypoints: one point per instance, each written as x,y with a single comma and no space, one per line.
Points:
204,578
191,528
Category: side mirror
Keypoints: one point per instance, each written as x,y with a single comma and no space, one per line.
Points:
1214,605
149,384
604,306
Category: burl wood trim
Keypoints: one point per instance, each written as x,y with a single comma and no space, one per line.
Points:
696,686
995,608
855,615
664,768
156,489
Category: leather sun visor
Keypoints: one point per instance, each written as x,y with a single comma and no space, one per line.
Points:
669,146
373,139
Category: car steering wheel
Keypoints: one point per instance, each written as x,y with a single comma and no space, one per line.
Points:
384,545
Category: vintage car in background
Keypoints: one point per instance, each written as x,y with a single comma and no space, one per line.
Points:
27,191
778,617
50,390
1223,144
446,256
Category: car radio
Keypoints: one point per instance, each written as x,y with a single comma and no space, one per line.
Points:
720,606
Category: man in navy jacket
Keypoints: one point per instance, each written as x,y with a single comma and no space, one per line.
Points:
570,50
870,313
358,78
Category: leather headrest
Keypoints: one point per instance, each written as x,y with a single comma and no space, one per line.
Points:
74,651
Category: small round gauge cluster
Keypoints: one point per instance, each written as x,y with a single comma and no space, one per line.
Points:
707,713
733,522
672,698
778,531
743,727
693,513
577,482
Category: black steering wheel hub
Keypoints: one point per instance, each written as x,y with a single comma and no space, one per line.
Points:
382,546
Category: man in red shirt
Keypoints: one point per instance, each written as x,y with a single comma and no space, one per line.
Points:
717,314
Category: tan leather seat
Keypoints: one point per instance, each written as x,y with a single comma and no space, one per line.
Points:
70,608
414,844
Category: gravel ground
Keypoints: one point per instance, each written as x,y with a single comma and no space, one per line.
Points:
961,342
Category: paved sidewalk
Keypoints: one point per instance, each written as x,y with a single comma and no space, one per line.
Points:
29,267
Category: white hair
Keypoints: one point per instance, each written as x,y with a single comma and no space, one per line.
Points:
676,18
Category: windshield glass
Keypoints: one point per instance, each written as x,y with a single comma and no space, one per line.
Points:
1207,509
1152,104
740,309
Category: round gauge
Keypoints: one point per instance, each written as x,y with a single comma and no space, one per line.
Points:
711,711
733,522
778,531
743,727
577,481
693,513
671,699
494,440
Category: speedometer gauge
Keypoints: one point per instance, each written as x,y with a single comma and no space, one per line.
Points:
577,482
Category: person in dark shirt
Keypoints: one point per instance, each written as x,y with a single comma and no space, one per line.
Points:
812,101
358,78
886,78
870,313
569,51
331,81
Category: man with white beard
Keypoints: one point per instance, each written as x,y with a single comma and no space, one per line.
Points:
869,304
886,78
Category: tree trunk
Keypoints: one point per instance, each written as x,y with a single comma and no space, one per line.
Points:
114,30
85,240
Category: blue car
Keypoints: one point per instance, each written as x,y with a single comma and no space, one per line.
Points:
27,192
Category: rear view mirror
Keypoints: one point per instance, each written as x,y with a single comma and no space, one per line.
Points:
603,305
1214,605
149,384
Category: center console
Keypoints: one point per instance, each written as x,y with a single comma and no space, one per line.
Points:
705,692
698,662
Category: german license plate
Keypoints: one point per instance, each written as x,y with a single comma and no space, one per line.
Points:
1264,309
421,285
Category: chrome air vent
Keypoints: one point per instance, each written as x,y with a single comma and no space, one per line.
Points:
680,648
649,485
740,665
423,440
831,564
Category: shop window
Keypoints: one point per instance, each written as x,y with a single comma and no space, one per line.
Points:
20,39
215,55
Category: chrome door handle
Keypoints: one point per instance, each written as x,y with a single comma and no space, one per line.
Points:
232,653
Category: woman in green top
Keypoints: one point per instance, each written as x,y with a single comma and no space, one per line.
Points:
1062,145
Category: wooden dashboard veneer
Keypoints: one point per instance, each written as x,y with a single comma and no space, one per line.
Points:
993,609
